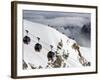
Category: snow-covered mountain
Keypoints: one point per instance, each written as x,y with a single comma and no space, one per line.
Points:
49,36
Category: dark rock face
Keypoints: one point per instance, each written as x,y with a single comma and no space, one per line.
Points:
25,66
86,29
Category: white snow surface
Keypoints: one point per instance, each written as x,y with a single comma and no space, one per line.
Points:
49,36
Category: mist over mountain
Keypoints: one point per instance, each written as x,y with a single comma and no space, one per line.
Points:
74,25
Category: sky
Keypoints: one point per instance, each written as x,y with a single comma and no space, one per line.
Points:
53,14
51,17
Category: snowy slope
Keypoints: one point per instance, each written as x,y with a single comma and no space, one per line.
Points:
48,36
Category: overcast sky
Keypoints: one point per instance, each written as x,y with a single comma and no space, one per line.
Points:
53,14
56,18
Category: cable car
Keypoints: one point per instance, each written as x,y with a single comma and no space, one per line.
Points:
38,46
26,38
